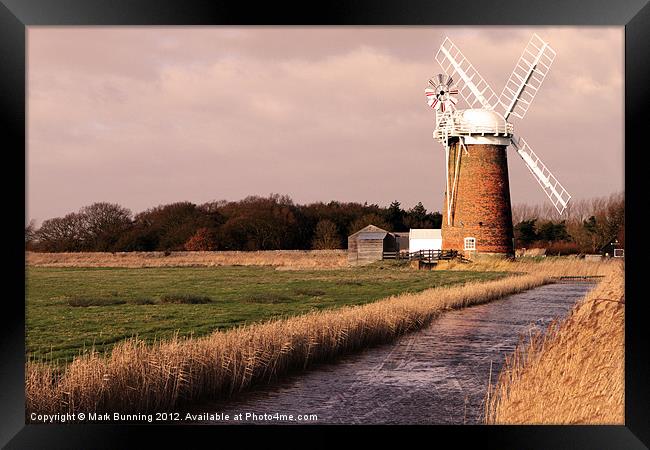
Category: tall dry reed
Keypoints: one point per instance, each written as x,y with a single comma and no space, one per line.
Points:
277,258
572,374
549,266
136,377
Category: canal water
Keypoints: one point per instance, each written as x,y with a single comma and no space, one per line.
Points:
437,375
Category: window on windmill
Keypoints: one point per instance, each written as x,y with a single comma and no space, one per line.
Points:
470,243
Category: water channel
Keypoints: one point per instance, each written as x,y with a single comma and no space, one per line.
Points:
437,375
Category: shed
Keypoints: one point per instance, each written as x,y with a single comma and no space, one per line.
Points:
369,244
425,239
401,240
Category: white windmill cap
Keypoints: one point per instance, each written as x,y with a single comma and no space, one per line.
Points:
482,117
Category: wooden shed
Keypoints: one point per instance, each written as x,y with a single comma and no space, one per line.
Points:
369,244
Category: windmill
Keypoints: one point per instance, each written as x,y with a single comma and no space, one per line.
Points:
477,214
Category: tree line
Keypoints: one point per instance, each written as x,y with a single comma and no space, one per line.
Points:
585,227
254,223
276,222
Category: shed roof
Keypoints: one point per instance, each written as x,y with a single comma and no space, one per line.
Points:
425,233
369,228
367,235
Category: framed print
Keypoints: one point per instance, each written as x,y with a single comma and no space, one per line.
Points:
360,217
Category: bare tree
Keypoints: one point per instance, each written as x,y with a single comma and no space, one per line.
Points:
103,223
213,206
326,236
30,234
61,234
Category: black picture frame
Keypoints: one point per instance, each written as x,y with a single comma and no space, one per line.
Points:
16,15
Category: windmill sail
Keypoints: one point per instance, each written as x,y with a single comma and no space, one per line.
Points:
472,87
526,78
551,186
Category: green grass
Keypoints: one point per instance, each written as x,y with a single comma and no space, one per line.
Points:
119,303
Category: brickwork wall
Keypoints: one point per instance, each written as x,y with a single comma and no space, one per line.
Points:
482,201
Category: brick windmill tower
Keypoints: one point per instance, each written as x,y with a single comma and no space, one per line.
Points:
477,215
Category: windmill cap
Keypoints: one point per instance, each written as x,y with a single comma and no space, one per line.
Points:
483,118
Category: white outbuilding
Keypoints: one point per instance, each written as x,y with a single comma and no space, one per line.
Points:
425,239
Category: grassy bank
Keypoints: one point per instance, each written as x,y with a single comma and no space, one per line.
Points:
574,374
138,377
72,309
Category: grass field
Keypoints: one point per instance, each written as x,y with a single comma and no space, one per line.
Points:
72,309
140,377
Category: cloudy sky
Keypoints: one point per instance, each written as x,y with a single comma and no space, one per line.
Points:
147,116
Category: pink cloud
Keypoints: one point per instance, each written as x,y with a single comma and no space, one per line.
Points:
142,116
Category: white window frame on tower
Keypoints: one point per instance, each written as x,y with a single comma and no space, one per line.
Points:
469,244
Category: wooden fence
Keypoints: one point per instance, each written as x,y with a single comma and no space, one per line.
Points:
424,255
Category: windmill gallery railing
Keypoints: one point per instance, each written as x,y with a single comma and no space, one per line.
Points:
454,123
424,255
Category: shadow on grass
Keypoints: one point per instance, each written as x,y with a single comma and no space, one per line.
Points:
310,292
83,302
268,297
90,301
185,299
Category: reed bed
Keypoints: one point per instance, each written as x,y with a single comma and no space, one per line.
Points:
549,266
574,372
302,259
136,377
